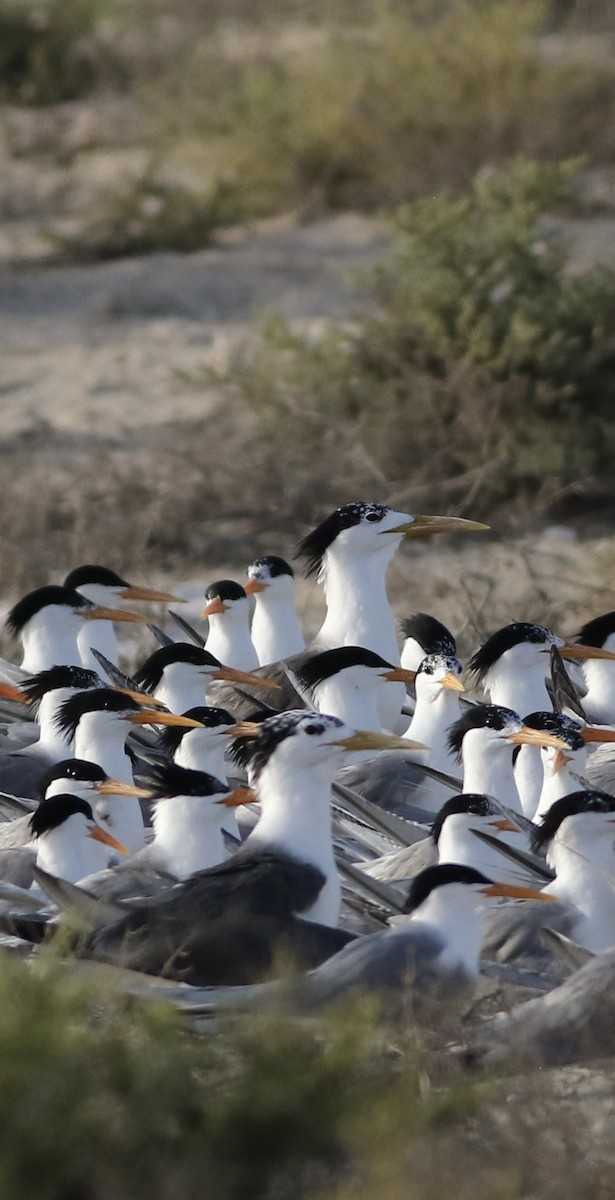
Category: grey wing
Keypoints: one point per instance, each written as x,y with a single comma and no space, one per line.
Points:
512,932
16,833
405,863
573,1022
600,768
243,699
21,773
141,876
401,965
17,866
393,781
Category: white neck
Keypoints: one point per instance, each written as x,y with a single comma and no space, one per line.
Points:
357,707
97,635
101,738
68,853
181,687
459,844
296,819
453,917
358,609
586,885
563,782
47,643
51,741
523,689
230,642
199,753
435,712
276,632
188,834
529,779
487,768
599,700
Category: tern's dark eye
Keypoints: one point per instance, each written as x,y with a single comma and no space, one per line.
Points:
314,727
373,516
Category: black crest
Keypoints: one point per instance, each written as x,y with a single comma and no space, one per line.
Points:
596,632
90,573
314,546
570,806
166,780
72,768
319,667
94,700
497,645
225,589
149,674
210,718
432,877
468,802
431,635
54,812
38,685
480,716
40,598
565,728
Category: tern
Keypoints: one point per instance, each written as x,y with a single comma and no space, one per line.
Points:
105,588
276,632
48,621
227,609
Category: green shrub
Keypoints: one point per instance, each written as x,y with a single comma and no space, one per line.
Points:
486,374
46,51
375,104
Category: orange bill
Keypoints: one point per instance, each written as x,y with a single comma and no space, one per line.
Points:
115,787
399,675
241,795
514,892
100,613
214,607
150,594
252,586
8,692
504,825
452,682
428,526
231,675
149,716
536,737
100,835
577,650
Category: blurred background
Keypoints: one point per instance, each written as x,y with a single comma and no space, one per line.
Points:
262,257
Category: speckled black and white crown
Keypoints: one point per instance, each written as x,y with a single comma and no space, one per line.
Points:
312,549
255,751
563,727
481,716
270,564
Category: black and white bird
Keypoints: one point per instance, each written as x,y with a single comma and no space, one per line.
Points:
180,675
48,622
424,634
279,891
276,632
105,588
64,839
227,609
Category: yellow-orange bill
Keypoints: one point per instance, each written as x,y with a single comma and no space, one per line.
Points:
504,825
100,613
576,650
241,795
100,835
536,737
514,892
215,606
399,675
252,586
591,734
115,787
150,594
8,692
231,675
149,716
364,739
139,697
452,682
422,526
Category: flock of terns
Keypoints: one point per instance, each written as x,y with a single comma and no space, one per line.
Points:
246,817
